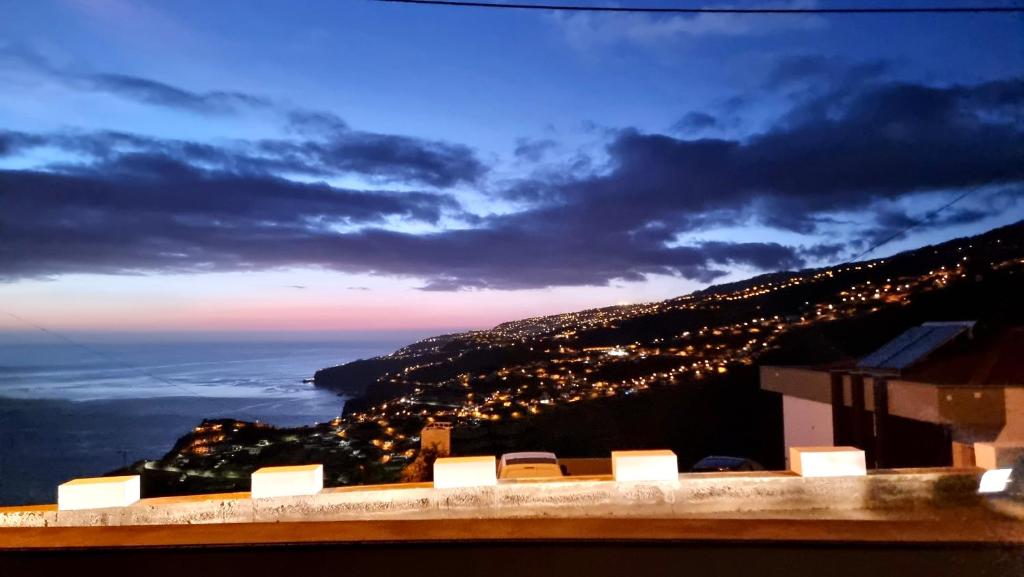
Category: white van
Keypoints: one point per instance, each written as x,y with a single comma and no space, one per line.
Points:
528,465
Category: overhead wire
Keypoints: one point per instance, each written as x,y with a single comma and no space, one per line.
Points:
965,9
94,351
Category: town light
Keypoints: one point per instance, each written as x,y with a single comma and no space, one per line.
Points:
98,493
287,481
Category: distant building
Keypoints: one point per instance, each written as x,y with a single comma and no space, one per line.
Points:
437,436
923,399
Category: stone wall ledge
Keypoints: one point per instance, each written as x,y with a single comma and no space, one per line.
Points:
913,493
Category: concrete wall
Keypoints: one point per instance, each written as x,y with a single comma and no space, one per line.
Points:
800,382
807,423
910,492
1013,430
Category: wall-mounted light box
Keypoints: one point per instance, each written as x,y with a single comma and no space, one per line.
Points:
637,466
98,493
457,472
827,461
287,481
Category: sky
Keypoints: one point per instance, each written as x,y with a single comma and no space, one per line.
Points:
255,167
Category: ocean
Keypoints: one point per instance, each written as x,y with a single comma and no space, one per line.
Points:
70,410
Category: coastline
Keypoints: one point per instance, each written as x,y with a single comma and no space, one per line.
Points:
51,441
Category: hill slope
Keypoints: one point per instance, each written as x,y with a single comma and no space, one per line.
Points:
680,373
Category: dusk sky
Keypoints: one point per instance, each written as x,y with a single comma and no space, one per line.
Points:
358,166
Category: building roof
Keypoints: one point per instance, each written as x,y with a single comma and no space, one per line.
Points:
996,358
913,346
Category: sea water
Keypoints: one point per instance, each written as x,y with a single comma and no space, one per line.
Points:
71,410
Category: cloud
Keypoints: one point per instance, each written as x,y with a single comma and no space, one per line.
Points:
823,251
316,122
155,213
883,142
693,122
326,145
12,143
129,87
587,29
160,94
893,223
137,204
152,213
533,150
800,70
379,157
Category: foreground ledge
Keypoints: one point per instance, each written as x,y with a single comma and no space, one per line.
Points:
901,505
977,531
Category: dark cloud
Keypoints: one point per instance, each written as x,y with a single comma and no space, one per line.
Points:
382,157
401,158
824,251
762,255
329,146
154,213
385,158
693,122
160,94
892,224
145,213
533,150
824,72
141,204
315,122
15,142
887,141
130,87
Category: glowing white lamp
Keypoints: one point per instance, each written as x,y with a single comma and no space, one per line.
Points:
287,481
457,472
827,461
994,481
997,455
634,466
98,493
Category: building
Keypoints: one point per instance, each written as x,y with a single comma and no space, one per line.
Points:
438,437
922,399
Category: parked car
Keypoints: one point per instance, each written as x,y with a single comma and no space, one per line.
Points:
718,464
528,465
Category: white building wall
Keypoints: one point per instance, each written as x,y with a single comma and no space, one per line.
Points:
806,423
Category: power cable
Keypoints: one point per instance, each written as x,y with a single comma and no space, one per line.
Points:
914,224
712,10
102,354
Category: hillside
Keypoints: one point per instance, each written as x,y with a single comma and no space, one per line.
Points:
789,296
680,373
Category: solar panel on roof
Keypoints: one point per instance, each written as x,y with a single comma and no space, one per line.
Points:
935,338
893,347
911,346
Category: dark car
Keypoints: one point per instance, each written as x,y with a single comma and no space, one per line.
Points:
718,464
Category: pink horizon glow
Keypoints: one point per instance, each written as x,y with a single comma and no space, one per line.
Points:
270,301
